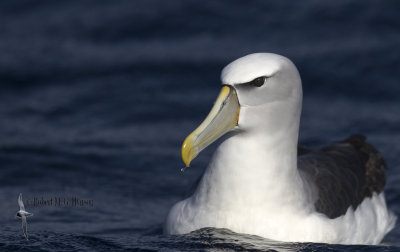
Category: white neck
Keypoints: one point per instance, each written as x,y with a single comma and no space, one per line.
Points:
235,177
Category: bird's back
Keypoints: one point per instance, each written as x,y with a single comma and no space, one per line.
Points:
344,174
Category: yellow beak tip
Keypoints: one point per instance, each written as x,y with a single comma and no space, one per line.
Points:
186,152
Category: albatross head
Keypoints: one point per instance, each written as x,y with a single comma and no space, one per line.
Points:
261,95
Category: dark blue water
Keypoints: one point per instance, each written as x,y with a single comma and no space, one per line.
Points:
96,98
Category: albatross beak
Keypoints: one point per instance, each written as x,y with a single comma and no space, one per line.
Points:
222,118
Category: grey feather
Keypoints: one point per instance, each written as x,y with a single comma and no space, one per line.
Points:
344,173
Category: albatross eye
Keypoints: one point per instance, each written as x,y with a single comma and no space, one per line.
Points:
258,82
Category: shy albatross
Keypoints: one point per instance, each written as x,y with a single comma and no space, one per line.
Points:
260,182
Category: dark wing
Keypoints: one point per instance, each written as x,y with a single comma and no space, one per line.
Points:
344,173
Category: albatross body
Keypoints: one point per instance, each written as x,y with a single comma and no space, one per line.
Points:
261,182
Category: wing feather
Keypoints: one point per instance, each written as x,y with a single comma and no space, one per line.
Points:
21,203
344,173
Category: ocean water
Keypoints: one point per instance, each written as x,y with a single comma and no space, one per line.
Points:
96,98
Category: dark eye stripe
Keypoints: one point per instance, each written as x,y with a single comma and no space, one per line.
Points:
257,82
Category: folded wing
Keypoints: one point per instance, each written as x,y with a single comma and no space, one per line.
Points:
344,174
